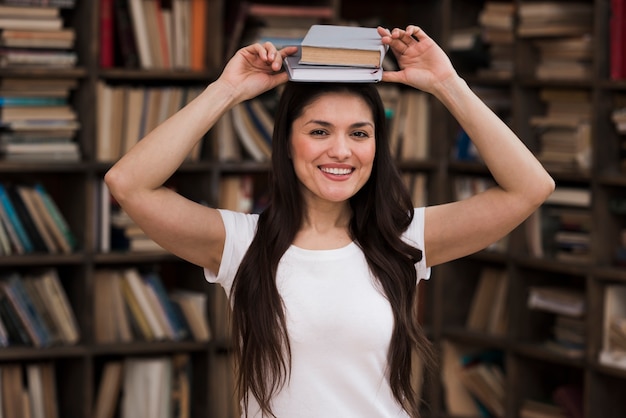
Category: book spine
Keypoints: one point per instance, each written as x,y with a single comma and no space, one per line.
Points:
15,220
125,37
178,327
42,330
198,34
16,329
106,34
617,40
27,220
56,214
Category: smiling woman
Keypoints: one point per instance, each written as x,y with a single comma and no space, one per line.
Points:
322,282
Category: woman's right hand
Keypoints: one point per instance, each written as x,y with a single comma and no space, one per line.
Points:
255,69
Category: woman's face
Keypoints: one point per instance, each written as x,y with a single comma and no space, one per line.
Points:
333,147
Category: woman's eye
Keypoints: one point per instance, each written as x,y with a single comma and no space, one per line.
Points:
361,134
318,132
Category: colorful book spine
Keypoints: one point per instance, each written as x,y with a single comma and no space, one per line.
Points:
56,214
5,200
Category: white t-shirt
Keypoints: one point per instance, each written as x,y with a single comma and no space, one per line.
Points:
339,324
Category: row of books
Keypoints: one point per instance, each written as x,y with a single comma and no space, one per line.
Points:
28,390
34,35
127,113
37,122
145,387
35,310
151,34
474,385
135,306
31,222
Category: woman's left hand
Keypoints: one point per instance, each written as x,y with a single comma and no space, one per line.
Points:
423,64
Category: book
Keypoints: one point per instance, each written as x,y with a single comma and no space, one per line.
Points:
108,390
15,220
324,73
617,39
343,45
106,34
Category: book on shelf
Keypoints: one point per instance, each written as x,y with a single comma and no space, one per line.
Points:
552,18
343,45
33,221
109,390
30,319
146,387
487,311
125,114
559,300
613,350
155,34
14,222
617,40
12,382
193,305
36,310
458,399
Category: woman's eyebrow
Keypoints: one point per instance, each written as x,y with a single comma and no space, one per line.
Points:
326,123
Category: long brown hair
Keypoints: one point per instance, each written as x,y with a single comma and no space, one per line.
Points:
382,211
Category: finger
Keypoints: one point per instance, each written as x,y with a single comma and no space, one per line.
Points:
414,32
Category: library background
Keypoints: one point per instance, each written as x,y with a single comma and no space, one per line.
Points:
97,321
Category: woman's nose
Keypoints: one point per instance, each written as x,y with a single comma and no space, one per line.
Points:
340,147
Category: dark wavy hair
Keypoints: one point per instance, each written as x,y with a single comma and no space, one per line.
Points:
381,211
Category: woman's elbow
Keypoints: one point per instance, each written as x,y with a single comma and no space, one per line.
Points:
116,181
542,190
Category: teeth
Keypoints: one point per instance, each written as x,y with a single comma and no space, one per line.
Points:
337,171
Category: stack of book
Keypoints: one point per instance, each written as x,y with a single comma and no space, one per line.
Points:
564,130
35,36
37,123
334,53
496,22
561,32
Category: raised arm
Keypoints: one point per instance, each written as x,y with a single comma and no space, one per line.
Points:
457,229
188,229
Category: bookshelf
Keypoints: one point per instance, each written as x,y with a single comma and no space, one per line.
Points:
531,370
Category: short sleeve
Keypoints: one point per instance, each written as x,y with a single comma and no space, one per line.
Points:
414,235
240,230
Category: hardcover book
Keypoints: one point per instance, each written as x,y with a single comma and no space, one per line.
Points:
343,45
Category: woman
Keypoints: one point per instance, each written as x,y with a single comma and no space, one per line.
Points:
322,282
